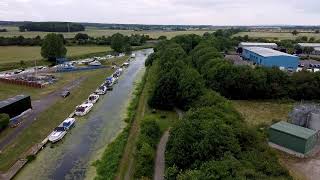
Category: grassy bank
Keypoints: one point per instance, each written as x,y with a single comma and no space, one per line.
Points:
50,118
107,166
10,90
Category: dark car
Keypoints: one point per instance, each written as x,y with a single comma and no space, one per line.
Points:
65,94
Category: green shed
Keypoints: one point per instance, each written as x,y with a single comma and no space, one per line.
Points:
293,137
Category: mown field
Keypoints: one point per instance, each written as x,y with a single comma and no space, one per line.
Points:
94,32
28,53
275,35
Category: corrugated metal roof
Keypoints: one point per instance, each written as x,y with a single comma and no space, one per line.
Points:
257,44
266,52
309,44
317,48
11,100
294,130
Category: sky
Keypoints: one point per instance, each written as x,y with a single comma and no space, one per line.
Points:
193,12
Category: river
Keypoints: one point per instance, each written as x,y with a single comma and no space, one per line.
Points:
72,157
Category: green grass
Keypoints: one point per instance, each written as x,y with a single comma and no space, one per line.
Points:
50,118
95,32
276,35
9,54
258,112
108,165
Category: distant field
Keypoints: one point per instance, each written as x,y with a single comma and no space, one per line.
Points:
94,32
273,35
27,53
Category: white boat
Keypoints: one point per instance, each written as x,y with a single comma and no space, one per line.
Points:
101,90
93,98
126,64
83,109
133,55
95,63
60,131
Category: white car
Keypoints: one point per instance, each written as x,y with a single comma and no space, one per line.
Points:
93,98
83,109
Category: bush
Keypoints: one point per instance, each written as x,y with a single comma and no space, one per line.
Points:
4,121
146,147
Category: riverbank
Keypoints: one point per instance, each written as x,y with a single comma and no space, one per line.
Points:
72,157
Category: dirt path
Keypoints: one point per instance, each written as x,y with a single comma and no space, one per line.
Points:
38,106
160,157
159,167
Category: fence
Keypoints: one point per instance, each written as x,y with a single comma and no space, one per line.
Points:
22,83
80,68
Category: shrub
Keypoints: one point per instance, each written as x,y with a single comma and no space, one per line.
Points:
4,121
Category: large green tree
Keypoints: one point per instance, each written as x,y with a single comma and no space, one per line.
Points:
118,42
53,47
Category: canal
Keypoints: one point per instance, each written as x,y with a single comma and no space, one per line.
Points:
72,157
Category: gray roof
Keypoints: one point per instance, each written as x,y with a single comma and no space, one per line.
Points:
309,44
266,52
257,44
294,130
11,100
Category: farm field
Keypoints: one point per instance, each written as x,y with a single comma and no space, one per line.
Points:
95,32
277,35
27,53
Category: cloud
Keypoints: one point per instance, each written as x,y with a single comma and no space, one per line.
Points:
214,12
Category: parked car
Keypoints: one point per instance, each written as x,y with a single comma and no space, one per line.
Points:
65,94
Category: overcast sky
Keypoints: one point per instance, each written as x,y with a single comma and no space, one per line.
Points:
212,12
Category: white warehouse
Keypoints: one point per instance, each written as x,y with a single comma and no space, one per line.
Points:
258,44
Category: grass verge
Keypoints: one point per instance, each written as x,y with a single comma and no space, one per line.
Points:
107,166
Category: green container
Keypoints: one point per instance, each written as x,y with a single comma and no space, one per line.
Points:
293,137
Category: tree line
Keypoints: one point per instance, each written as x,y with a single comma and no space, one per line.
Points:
212,141
52,27
78,39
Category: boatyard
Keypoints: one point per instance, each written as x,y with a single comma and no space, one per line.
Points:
72,156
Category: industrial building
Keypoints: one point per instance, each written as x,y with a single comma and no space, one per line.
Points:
270,58
258,44
316,47
295,138
16,105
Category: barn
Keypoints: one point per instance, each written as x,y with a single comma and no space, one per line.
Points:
258,44
270,58
316,47
16,105
293,137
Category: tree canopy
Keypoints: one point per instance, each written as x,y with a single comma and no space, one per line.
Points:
53,47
